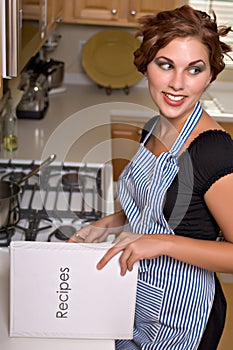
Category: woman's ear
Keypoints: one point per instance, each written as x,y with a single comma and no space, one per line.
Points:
209,80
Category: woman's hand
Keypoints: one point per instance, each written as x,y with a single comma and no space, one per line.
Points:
99,230
135,247
92,233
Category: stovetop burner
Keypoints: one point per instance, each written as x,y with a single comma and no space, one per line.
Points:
16,177
63,233
57,201
71,180
6,235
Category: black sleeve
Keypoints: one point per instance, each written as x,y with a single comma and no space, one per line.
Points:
213,155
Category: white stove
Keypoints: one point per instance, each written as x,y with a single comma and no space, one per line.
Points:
60,199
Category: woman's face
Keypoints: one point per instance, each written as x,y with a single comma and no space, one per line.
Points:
178,75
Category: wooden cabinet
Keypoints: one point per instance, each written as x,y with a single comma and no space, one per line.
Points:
227,336
91,11
54,13
228,127
125,141
113,12
28,24
46,13
137,9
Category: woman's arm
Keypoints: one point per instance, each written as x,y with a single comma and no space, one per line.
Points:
214,256
211,255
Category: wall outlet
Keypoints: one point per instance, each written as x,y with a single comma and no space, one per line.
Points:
80,46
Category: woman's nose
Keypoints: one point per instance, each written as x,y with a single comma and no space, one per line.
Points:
177,81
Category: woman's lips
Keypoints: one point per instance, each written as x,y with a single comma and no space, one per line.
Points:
174,100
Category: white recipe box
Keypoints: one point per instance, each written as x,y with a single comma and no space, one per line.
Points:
57,292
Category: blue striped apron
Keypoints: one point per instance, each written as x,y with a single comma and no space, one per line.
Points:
174,299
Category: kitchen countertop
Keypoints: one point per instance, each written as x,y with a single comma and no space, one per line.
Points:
76,125
77,111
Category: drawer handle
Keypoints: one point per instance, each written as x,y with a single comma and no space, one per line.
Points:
122,133
114,12
133,13
58,19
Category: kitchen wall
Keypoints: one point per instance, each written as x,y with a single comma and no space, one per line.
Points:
69,50
72,37
70,46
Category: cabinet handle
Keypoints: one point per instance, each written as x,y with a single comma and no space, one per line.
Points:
133,13
58,19
140,132
122,133
114,12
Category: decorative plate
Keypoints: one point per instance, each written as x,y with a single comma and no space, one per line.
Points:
107,58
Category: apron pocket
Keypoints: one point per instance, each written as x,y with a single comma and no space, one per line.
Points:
148,307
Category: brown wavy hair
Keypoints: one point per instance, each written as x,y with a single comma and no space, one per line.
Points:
159,30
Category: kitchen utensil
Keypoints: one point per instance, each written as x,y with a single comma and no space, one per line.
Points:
107,58
34,102
9,192
54,73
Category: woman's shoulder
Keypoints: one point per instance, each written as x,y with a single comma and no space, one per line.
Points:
212,140
212,156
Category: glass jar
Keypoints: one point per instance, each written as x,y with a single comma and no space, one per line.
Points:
10,138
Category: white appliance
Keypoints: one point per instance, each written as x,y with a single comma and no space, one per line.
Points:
57,201
53,204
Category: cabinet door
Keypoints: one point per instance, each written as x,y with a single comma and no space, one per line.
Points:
54,13
89,11
113,12
228,127
125,142
139,8
34,27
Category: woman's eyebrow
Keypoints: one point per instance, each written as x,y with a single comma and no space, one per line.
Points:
197,61
164,58
190,64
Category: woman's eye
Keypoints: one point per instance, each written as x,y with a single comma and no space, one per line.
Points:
164,65
195,70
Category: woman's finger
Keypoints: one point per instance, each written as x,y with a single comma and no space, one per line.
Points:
108,256
124,261
76,238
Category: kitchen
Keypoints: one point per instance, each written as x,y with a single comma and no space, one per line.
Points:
78,100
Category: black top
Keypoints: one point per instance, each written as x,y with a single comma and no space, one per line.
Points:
208,158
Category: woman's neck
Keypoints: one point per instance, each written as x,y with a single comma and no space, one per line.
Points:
166,132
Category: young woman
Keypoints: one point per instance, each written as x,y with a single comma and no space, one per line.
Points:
176,193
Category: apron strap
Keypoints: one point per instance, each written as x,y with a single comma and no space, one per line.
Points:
188,127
